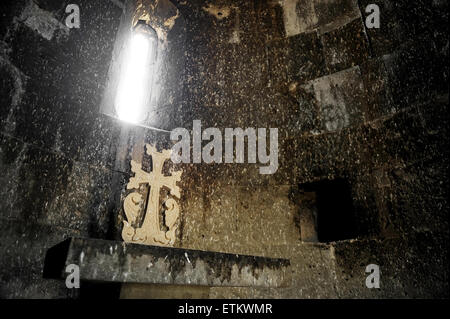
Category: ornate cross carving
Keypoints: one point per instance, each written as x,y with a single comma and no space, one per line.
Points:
135,203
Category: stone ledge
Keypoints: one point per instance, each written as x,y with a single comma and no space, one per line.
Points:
120,262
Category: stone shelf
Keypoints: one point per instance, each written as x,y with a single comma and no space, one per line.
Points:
120,262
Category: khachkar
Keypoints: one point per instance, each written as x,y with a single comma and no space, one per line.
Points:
136,205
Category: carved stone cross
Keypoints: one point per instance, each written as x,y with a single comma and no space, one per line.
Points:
150,232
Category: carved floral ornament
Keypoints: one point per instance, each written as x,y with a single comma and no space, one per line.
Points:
144,203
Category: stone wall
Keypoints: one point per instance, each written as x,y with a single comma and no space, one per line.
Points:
365,105
57,150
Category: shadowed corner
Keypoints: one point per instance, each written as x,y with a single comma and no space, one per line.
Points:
55,260
54,268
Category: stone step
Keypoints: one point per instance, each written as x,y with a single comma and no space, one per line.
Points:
121,262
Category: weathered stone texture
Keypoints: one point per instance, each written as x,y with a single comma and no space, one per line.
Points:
135,263
369,106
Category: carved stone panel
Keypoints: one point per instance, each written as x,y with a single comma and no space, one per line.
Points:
145,224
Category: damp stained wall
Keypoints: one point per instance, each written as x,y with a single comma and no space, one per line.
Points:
368,106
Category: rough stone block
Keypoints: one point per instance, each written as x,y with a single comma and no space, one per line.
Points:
23,251
341,99
345,47
410,268
332,14
110,261
306,59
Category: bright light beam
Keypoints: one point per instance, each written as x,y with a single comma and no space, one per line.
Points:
133,84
